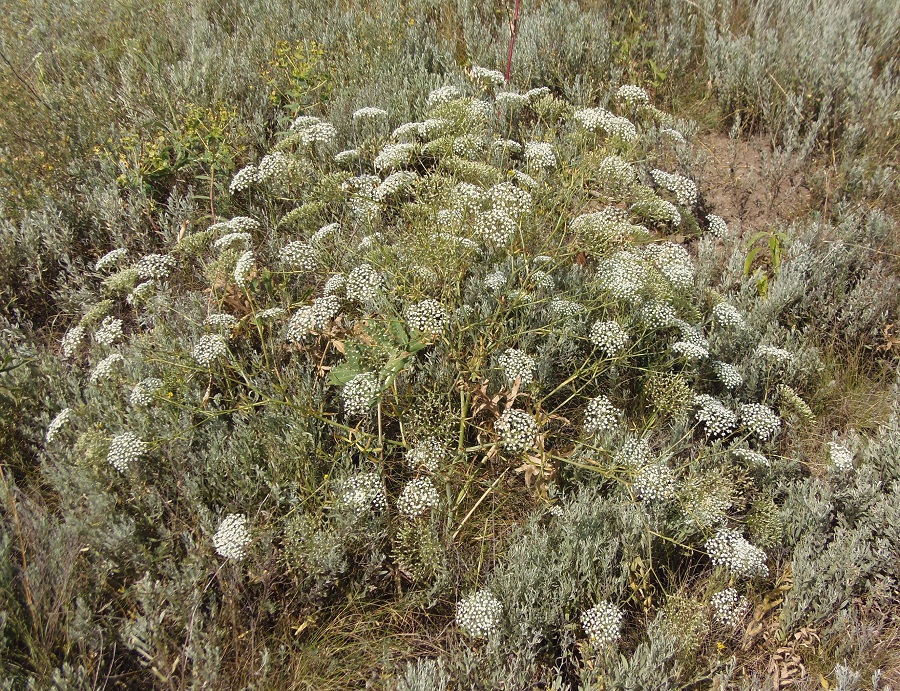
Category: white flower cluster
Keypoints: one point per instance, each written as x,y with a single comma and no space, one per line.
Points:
480,614
495,280
840,456
760,419
487,78
496,227
632,95
276,167
600,415
565,308
363,284
690,351
516,364
673,262
729,607
772,353
270,314
443,94
232,537
540,155
730,549
142,393
602,624
243,267
675,135
685,190
518,430
617,171
718,420
155,266
717,226
510,99
359,393
511,199
346,157
368,113
655,482
594,119
298,255
221,320
394,156
312,319
244,178
727,315
109,332
623,275
105,367
728,374
369,241
525,179
140,292
209,348
125,449
427,454
318,133
419,496
111,258
609,225
72,340
707,508
335,285
468,198
428,316
362,493
232,239
57,423
609,337
751,457
657,314
691,334
541,280
507,146
634,453
395,183
468,146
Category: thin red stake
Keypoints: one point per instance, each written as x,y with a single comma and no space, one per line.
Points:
512,40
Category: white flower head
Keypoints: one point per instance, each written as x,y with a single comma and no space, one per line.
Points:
480,614
602,624
418,497
232,537
124,450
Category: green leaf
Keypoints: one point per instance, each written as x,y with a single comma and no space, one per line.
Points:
341,374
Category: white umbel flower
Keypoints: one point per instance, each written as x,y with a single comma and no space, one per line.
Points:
479,614
730,549
840,456
363,284
368,114
243,267
727,315
729,607
428,316
362,493
209,348
155,266
609,337
540,155
109,332
232,537
727,374
143,392
518,430
418,497
298,255
602,624
760,419
105,367
111,258
718,420
717,226
72,340
61,419
655,483
600,416
516,364
632,95
124,450
360,393
427,454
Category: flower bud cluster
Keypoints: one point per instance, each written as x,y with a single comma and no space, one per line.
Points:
418,497
428,316
124,450
602,624
730,549
360,393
